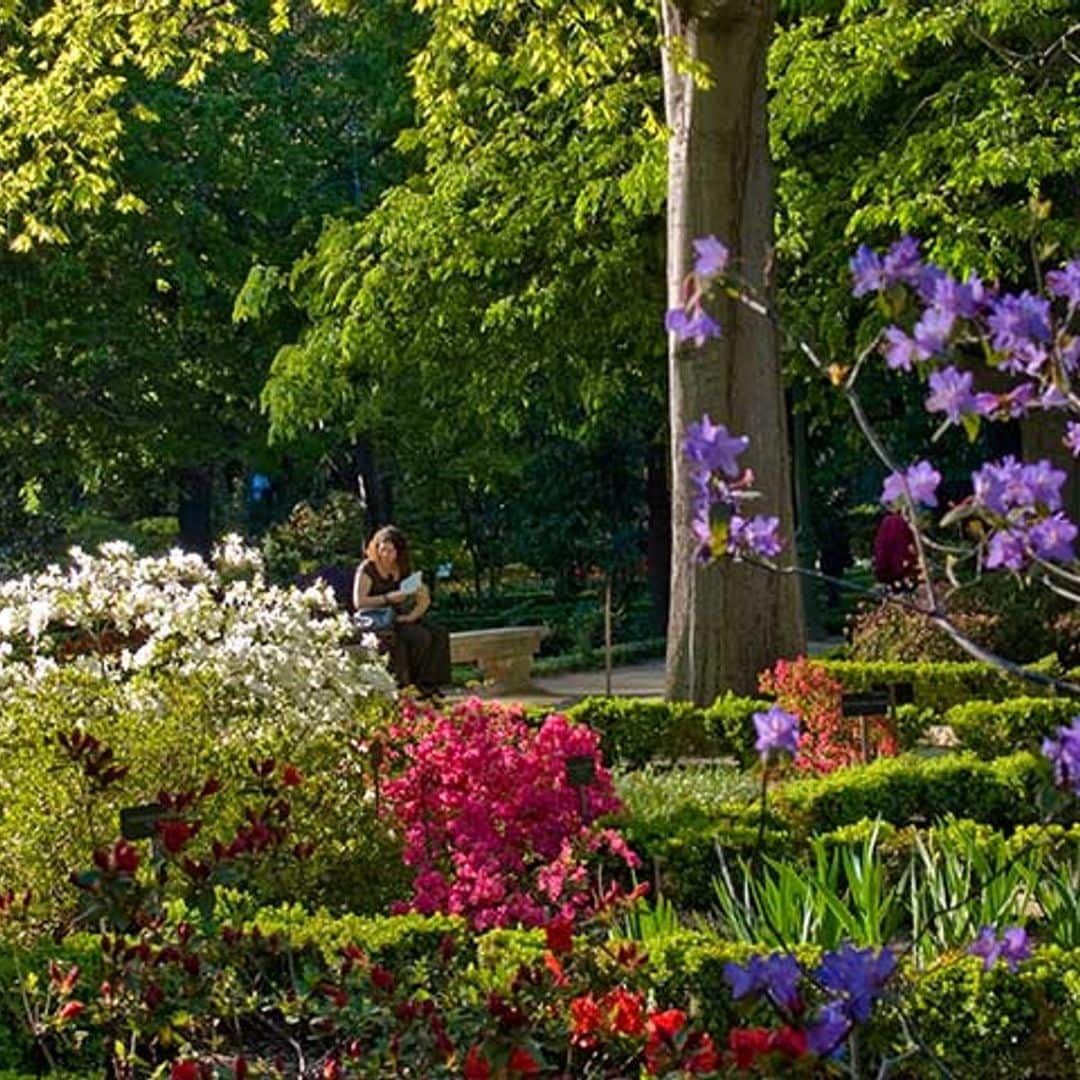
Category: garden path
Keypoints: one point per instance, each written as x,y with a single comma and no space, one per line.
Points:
644,679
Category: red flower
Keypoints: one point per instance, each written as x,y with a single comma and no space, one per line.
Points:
790,1041
624,1012
551,962
704,1058
587,1019
184,1070
71,1010
382,979
331,1069
522,1063
125,858
291,776
668,1024
475,1066
174,834
560,935
747,1044
240,1068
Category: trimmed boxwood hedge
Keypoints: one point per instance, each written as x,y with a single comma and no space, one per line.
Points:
916,790
937,685
635,731
992,728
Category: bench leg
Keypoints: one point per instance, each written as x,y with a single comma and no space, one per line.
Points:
507,672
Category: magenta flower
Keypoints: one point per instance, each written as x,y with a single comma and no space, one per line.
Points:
777,733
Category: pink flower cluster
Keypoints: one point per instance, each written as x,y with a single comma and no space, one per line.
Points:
492,825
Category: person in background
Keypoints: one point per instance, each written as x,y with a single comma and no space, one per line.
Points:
419,650
895,561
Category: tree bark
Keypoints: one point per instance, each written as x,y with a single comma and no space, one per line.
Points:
727,621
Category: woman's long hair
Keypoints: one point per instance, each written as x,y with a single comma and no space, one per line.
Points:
401,547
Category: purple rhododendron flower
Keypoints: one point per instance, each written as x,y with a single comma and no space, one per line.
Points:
951,393
758,535
777,733
1063,752
902,265
1053,538
933,329
902,351
1019,325
859,974
713,448
1006,551
697,327
1044,483
961,301
922,480
776,975
1008,485
866,271
1066,283
1072,438
828,1030
1069,355
1013,946
712,257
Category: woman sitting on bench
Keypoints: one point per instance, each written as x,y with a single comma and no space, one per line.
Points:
419,651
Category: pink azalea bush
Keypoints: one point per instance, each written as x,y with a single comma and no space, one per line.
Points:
492,827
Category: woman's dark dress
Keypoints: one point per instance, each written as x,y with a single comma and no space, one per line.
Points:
419,651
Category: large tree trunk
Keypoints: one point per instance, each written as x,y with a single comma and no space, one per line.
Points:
728,621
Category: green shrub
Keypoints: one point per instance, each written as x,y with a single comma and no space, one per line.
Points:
938,686
913,790
171,732
635,731
993,728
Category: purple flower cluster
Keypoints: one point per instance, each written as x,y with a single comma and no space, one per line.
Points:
721,486
775,976
920,482
1012,946
1024,502
777,733
855,979
1021,329
691,322
1063,753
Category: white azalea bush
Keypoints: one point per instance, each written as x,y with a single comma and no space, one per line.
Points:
179,671
280,650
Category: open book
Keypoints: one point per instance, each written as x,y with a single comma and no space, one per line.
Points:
412,583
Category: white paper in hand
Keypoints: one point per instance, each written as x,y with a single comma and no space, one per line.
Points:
412,583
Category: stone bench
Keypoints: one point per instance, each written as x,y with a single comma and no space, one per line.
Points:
503,654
